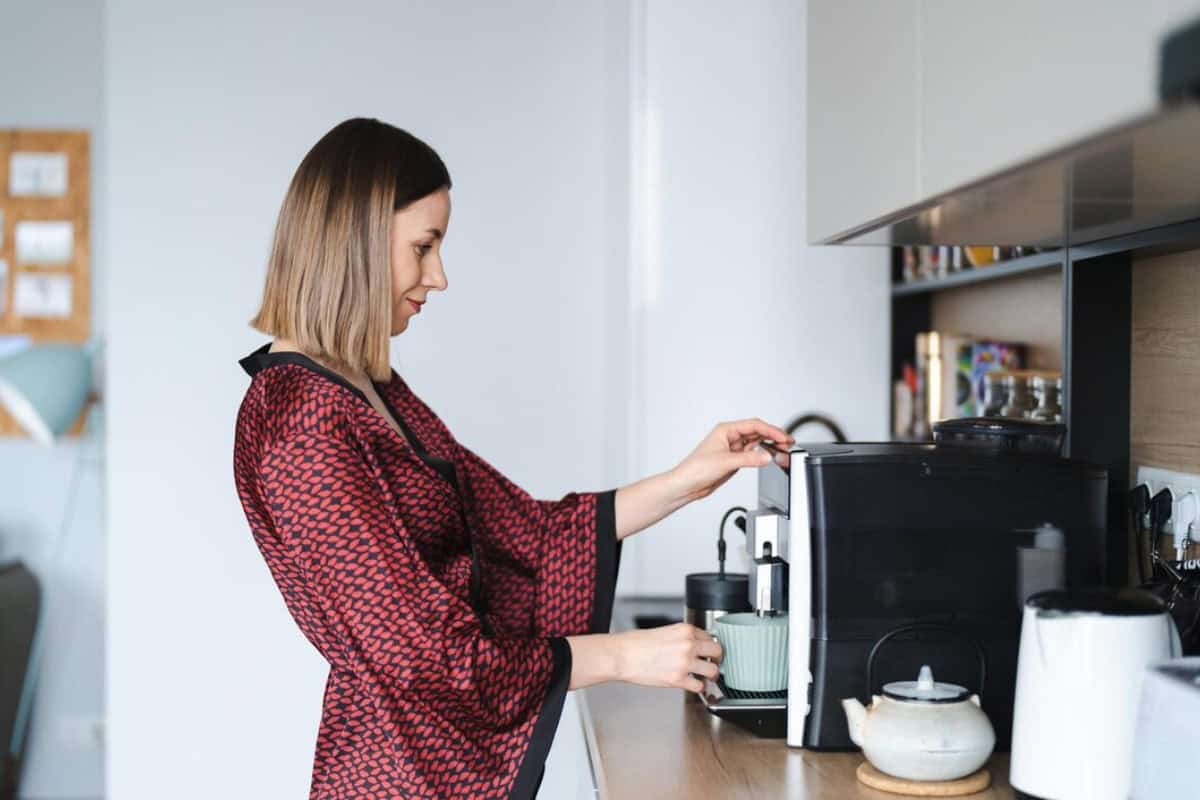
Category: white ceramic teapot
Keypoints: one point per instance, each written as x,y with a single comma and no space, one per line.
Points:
922,730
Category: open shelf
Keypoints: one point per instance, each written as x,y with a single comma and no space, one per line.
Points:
1037,262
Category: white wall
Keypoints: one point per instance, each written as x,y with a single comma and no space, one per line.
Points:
734,316
51,63
212,690
980,85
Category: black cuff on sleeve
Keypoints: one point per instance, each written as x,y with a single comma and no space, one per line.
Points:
608,559
529,774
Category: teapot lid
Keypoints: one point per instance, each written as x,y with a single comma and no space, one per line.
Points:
925,689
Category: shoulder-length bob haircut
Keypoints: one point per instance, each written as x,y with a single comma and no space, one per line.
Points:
329,277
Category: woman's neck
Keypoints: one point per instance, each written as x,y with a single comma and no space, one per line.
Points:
361,380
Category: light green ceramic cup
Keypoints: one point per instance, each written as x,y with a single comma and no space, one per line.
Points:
755,651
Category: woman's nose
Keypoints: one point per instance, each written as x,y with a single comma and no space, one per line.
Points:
438,275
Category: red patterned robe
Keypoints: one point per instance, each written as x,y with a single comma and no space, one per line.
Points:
439,591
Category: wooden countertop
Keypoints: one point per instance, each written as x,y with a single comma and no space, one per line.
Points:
663,744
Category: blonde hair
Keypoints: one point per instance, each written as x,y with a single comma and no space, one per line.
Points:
329,278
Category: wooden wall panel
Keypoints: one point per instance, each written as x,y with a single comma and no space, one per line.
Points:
1165,386
1026,309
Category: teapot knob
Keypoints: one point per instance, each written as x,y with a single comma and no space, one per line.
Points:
925,679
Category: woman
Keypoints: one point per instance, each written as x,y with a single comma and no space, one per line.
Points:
454,609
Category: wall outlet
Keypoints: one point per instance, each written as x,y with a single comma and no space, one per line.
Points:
1178,482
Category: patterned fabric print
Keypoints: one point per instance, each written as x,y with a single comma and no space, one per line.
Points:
537,564
367,546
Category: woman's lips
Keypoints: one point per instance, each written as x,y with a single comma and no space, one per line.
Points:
416,306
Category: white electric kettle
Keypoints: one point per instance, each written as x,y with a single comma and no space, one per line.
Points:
1079,678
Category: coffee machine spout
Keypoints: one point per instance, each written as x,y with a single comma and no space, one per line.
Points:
766,540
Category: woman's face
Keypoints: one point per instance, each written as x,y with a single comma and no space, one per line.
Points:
418,231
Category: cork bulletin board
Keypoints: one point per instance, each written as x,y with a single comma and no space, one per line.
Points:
45,240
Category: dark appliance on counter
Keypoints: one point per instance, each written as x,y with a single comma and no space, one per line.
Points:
1002,433
877,537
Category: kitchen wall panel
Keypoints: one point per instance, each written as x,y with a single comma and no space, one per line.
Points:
733,316
1165,391
1026,309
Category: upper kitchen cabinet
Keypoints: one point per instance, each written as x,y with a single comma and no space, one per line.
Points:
987,84
863,124
1135,179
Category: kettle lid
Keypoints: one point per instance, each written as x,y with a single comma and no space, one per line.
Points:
925,689
1098,600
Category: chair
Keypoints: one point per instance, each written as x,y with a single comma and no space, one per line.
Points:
20,604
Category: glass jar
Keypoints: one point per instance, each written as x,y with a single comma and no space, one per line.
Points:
1045,393
1018,401
994,393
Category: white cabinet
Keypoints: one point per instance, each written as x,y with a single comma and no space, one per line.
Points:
1001,81
863,106
911,98
568,769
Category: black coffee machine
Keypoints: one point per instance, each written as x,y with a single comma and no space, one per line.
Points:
908,554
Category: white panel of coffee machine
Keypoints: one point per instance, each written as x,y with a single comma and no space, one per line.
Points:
798,533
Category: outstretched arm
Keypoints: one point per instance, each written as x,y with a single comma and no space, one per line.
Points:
729,447
643,503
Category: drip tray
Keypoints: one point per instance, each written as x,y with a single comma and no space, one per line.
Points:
762,713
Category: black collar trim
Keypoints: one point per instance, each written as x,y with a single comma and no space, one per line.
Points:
260,359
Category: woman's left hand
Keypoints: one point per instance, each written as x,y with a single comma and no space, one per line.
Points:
730,446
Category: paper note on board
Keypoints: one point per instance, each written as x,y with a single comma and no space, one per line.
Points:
37,174
45,242
37,294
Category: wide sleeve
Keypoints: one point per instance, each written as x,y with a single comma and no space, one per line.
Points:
461,706
569,545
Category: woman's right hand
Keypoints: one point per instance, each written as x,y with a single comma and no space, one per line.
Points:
667,656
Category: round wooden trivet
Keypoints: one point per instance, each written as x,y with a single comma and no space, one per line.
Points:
975,782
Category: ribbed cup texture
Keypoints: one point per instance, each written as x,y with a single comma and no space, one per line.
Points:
756,650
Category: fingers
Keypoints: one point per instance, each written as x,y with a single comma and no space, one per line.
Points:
707,645
704,668
691,644
755,457
710,648
754,429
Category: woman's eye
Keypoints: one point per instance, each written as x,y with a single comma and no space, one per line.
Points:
424,248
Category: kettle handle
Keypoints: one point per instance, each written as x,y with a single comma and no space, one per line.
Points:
924,626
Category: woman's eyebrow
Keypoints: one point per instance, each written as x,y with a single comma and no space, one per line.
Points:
437,234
